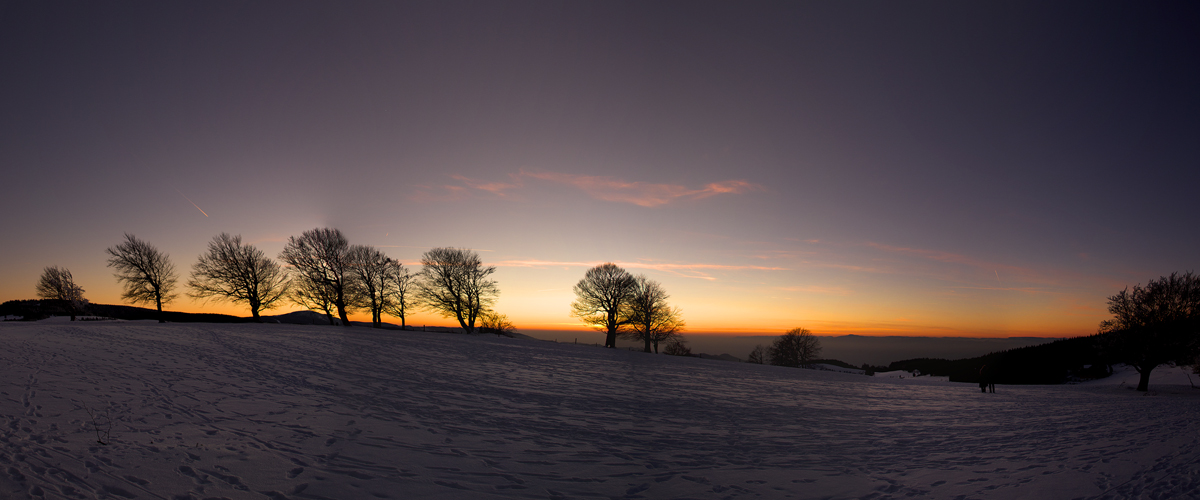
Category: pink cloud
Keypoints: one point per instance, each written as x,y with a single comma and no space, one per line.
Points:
609,189
640,193
496,188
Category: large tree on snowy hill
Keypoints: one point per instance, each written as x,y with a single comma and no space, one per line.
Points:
454,283
239,273
602,297
147,274
320,262
1154,325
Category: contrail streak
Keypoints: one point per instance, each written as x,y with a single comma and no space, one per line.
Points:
192,202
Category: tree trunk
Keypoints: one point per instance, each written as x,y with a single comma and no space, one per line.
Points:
647,343
254,312
341,307
610,340
158,301
1144,380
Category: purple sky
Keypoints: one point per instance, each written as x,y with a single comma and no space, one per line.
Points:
853,167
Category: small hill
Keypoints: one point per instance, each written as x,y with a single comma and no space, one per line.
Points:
32,310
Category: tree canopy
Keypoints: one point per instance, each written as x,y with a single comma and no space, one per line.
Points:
147,274
320,263
798,347
58,284
600,298
649,318
239,273
1155,324
455,283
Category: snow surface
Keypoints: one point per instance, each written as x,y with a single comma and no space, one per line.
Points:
290,411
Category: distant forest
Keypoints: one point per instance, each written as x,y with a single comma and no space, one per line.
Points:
1062,361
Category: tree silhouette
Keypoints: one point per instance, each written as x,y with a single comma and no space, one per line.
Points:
600,298
238,273
312,295
146,273
650,318
321,265
58,284
454,283
493,322
1154,325
677,347
401,293
759,355
796,348
372,271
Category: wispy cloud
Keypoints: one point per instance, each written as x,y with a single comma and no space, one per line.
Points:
612,189
496,188
822,290
641,193
685,270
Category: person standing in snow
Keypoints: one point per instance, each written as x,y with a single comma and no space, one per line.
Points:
985,380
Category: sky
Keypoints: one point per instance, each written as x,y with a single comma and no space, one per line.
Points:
875,168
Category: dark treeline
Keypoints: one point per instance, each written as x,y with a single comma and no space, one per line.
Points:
1079,358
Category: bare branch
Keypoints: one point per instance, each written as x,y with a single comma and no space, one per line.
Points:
239,273
601,296
321,266
58,284
147,274
648,316
454,283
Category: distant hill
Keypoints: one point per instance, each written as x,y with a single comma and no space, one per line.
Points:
720,357
32,310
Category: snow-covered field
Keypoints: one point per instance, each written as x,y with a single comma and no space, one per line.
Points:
282,411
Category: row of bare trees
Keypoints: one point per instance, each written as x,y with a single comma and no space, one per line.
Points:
323,273
610,299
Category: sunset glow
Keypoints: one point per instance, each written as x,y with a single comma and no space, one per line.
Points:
924,170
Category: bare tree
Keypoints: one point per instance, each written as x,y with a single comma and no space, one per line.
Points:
454,283
758,355
402,294
312,295
239,273
320,257
601,296
796,348
677,347
372,285
650,318
1154,325
493,322
58,284
147,274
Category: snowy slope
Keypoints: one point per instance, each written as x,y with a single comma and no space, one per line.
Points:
291,411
